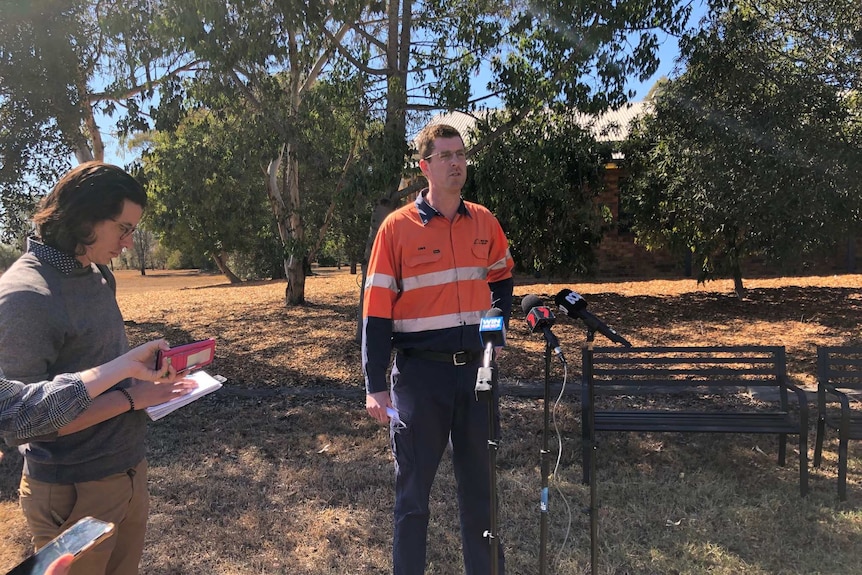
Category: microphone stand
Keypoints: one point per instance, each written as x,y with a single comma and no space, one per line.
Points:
546,467
485,391
588,434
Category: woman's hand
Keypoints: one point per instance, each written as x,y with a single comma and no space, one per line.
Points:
148,393
141,363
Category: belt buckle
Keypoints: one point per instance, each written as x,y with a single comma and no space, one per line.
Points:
455,358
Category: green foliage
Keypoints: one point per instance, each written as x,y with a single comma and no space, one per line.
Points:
581,53
271,56
8,255
204,184
44,49
746,153
356,200
41,47
541,181
177,261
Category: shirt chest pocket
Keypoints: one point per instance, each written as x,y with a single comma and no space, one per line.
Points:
428,259
481,251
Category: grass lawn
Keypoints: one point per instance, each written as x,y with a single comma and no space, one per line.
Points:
282,471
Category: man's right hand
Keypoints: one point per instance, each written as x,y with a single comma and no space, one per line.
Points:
376,404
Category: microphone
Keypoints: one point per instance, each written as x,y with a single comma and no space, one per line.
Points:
541,318
575,306
492,332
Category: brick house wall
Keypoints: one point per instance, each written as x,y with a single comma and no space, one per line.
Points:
620,257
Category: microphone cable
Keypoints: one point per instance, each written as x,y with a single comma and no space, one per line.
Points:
560,493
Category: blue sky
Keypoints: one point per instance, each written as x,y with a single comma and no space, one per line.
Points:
668,53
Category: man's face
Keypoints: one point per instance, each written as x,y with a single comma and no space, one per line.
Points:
446,167
113,235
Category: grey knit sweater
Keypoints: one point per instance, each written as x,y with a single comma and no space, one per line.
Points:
52,322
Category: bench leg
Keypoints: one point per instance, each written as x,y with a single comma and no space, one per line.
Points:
782,449
586,433
803,463
818,441
842,465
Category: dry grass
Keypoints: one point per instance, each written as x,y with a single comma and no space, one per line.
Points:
282,472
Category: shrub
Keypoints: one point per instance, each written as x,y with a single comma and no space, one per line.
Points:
8,255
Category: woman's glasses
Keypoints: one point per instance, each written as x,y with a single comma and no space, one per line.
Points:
126,230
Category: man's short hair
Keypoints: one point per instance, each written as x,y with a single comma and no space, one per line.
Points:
425,139
88,194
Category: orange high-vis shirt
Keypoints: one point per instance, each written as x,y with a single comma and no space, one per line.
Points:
430,278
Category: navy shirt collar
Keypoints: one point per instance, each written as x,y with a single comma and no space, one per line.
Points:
65,263
426,211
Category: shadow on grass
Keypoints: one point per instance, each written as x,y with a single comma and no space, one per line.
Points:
305,485
316,476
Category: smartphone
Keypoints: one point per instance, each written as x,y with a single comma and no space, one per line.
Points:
87,532
189,356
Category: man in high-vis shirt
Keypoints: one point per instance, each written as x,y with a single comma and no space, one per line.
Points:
437,266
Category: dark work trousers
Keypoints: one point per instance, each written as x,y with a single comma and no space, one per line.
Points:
435,400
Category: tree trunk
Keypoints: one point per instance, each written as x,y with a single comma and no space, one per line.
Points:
294,293
352,268
735,254
737,283
394,148
737,277
220,260
143,269
95,136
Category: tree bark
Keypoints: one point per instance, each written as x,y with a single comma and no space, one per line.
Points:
294,293
220,260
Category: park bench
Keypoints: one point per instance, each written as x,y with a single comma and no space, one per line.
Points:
692,389
839,381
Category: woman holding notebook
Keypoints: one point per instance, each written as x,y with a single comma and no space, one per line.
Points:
59,314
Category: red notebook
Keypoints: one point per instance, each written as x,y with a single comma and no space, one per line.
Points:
189,357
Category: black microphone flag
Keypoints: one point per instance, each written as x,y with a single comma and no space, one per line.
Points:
575,306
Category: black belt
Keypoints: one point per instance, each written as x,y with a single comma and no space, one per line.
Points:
457,358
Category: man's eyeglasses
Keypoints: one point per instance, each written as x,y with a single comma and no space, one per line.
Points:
447,156
126,230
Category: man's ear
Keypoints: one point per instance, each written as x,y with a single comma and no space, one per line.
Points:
423,166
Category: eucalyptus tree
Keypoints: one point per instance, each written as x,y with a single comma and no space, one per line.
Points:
747,152
270,55
61,63
406,57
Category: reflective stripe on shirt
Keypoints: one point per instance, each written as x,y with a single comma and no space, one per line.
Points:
437,322
445,277
382,281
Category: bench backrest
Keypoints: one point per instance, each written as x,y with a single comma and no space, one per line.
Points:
840,366
635,370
